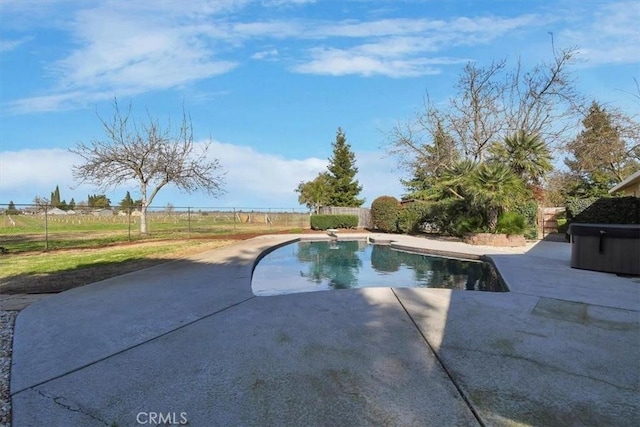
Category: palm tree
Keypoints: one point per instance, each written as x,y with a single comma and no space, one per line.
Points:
494,187
527,156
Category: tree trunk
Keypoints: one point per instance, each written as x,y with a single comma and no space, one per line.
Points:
492,218
143,208
143,219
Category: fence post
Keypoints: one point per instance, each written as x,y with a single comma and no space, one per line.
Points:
129,223
46,228
234,220
188,222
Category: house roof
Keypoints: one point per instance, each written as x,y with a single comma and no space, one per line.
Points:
632,179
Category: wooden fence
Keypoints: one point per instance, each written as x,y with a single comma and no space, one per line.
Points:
363,214
547,221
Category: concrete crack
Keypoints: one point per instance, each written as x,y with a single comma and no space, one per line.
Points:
537,363
69,406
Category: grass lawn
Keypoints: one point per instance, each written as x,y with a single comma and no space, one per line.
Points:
56,271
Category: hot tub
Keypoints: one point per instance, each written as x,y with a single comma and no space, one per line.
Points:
613,248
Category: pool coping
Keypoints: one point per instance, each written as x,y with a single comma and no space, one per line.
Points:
385,241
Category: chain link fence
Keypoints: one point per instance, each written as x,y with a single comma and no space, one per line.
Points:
31,227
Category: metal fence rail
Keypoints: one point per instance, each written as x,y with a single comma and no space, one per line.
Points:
30,227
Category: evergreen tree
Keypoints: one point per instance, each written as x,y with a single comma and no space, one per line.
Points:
343,189
11,208
599,155
98,201
432,161
72,204
126,203
55,197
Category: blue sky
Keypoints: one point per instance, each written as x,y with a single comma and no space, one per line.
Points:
270,81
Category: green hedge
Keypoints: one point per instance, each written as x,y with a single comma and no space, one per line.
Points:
575,206
412,217
384,214
324,222
604,210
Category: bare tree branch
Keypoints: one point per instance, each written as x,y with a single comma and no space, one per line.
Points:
151,155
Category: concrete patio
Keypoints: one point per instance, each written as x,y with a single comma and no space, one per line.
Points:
187,341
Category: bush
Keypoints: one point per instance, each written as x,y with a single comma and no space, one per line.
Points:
563,225
463,225
575,206
412,217
605,210
511,223
384,214
529,211
324,222
454,217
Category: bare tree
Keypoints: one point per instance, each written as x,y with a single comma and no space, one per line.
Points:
152,155
492,103
543,101
474,116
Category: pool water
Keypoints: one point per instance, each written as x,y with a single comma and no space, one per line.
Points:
319,266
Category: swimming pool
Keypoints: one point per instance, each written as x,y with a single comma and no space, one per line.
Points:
318,266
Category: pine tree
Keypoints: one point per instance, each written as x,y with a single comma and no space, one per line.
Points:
342,171
127,202
600,158
11,208
55,197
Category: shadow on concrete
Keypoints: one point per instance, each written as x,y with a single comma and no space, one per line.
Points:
189,337
556,350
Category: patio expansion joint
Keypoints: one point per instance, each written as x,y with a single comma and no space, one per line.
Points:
124,350
459,389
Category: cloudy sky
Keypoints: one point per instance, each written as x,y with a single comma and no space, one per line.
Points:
270,81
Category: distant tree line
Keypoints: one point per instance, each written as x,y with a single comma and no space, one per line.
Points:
93,201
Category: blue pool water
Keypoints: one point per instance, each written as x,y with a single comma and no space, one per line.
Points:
319,266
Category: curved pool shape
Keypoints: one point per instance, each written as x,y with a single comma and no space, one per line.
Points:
318,266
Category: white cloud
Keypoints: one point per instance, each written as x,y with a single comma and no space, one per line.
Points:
9,45
403,47
265,54
612,38
253,179
338,62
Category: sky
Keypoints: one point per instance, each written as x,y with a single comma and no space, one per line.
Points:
268,82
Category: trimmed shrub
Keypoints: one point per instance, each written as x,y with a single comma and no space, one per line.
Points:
412,217
605,210
511,223
384,214
575,206
324,222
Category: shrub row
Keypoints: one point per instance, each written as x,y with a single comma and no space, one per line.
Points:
453,217
324,222
604,210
